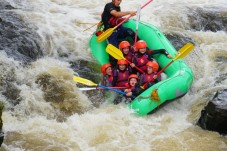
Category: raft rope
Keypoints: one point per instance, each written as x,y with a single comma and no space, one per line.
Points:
150,96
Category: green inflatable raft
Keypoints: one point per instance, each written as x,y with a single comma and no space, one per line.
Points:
180,76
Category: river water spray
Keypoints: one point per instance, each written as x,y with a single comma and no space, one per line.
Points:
45,110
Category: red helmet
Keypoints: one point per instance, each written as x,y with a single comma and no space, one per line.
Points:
104,67
140,45
124,44
122,62
153,64
133,76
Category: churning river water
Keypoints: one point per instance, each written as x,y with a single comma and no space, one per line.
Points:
50,113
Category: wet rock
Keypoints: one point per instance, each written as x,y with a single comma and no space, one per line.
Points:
16,38
178,40
86,69
208,18
5,5
214,116
90,71
62,96
12,93
8,86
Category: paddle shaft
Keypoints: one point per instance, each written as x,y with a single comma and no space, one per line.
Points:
117,54
111,89
158,74
183,52
109,31
131,15
90,83
137,24
135,67
90,27
118,91
98,88
135,40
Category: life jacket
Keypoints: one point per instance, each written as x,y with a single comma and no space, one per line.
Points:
141,62
148,77
122,77
136,90
129,56
113,21
109,80
107,17
128,86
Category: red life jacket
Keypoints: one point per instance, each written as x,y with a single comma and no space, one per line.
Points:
114,21
129,56
109,80
141,62
128,86
122,77
147,77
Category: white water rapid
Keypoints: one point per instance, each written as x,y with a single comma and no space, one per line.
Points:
40,123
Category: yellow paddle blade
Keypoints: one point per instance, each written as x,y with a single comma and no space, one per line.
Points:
84,81
114,52
105,34
185,46
184,51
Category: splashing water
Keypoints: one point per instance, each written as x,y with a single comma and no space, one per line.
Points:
48,112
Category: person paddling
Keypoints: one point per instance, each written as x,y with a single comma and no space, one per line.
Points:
152,68
143,55
111,16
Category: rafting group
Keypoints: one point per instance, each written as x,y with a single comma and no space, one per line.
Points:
138,68
142,65
122,73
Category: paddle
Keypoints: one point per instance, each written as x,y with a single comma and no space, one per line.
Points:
90,83
97,88
111,89
86,89
181,54
182,49
84,81
117,54
137,23
109,31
